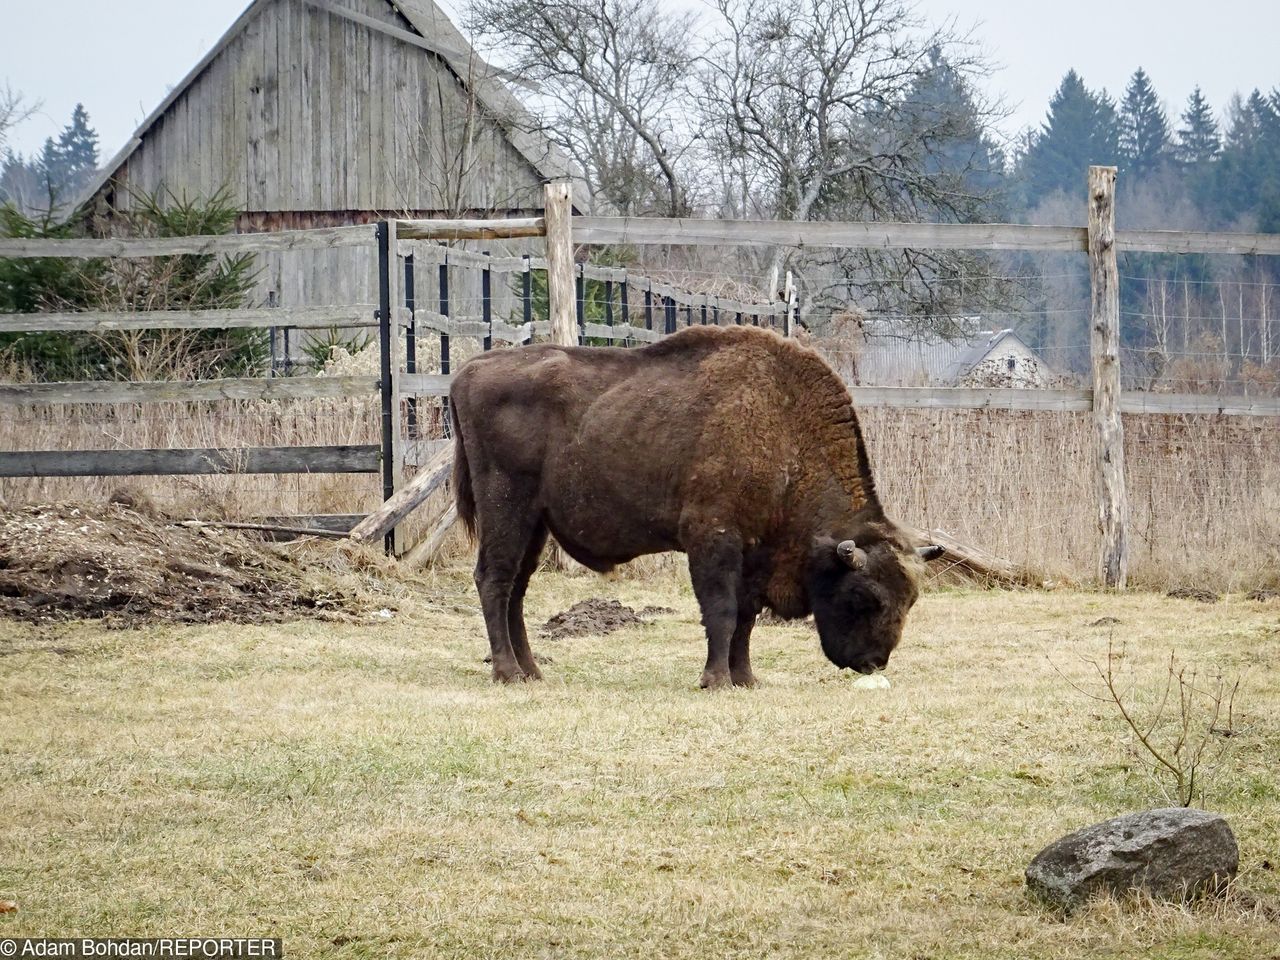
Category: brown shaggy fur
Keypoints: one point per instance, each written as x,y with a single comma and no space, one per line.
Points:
733,445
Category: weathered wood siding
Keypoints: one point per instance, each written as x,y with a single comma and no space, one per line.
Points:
305,113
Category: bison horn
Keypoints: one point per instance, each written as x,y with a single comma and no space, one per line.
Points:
848,551
931,552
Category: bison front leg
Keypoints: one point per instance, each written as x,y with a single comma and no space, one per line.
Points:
740,646
715,567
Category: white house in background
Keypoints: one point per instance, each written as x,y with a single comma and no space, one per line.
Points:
986,358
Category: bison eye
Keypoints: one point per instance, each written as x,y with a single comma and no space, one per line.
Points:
863,599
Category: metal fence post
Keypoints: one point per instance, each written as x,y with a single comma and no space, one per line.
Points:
486,304
392,455
581,283
447,425
411,345
527,292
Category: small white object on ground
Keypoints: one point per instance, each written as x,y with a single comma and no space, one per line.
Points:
872,681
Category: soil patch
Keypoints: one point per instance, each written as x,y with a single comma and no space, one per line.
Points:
596,616
1193,593
67,561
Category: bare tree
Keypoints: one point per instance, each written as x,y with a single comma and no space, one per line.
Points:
614,78
13,110
837,109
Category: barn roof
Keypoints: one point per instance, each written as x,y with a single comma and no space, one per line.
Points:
434,33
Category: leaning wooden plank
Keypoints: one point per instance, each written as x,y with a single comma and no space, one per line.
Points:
426,550
432,475
497,229
353,458
95,321
975,561
332,522
177,391
289,532
794,233
322,238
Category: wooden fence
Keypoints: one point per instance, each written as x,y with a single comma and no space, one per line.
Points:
635,309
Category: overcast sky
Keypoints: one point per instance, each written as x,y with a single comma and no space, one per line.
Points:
120,57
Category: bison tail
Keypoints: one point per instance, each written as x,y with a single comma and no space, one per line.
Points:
464,496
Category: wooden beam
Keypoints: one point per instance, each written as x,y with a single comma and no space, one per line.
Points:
405,500
425,384
307,318
496,229
1202,404
977,398
319,238
354,458
971,560
426,551
1104,344
1196,241
560,281
278,531
177,391
793,233
961,398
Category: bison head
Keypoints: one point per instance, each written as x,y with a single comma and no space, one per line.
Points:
860,590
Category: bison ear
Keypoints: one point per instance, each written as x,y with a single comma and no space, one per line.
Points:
851,555
931,552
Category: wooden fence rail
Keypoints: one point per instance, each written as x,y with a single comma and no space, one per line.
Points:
355,458
654,310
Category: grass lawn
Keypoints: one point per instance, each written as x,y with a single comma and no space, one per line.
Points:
361,790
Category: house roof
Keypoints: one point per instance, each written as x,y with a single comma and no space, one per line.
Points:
888,358
434,33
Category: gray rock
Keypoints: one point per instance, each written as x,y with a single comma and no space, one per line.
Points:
1171,854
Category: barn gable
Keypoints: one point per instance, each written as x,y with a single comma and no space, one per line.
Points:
313,112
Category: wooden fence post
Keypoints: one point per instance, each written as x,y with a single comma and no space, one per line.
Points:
1104,341
560,286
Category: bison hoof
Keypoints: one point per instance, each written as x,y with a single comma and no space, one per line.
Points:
714,679
744,678
509,675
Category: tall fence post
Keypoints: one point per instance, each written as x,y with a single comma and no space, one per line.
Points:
1104,343
411,345
389,369
558,213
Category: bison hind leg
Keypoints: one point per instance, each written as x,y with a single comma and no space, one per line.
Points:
515,605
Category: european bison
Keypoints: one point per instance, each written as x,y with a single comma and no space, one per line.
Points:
733,445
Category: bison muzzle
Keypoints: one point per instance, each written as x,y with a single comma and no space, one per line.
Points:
733,445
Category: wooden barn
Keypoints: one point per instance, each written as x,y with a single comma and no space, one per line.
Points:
332,112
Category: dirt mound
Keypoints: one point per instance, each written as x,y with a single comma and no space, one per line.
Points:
1193,593
67,561
596,616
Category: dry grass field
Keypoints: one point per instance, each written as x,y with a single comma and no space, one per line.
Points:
361,790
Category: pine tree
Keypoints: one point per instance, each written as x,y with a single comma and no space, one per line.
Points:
1144,128
1080,129
1198,139
67,164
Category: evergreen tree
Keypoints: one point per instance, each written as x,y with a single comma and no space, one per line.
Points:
1198,139
1246,180
67,164
1144,128
1080,129
942,116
